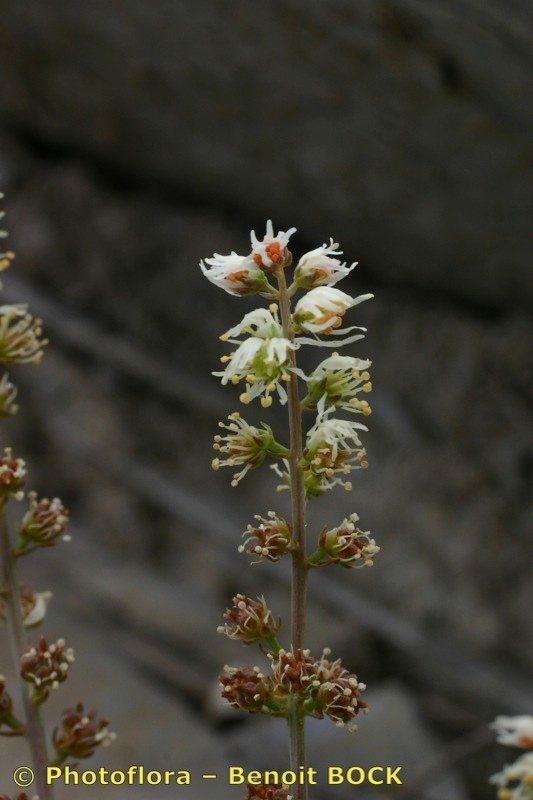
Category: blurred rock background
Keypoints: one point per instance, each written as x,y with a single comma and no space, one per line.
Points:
136,138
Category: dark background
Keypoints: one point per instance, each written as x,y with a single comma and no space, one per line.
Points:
136,138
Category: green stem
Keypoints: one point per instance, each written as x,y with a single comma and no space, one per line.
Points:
35,733
273,644
296,720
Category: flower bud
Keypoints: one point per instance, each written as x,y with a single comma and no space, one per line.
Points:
514,731
7,720
269,540
20,336
268,792
46,666
80,733
249,620
12,476
245,688
272,252
44,522
347,545
8,394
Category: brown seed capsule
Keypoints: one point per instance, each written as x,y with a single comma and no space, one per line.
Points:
249,620
44,522
46,666
12,476
81,733
245,688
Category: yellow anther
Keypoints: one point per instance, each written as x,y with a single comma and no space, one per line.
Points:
273,308
235,379
364,464
251,378
245,398
223,337
266,402
234,415
215,464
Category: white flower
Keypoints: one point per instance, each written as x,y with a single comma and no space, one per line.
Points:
318,268
271,251
244,446
37,612
237,275
321,311
337,381
514,731
516,780
262,359
333,449
20,336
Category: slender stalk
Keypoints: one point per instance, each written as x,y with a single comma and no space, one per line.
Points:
299,568
35,734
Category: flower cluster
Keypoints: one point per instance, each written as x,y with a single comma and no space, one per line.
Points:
250,621
262,359
333,450
12,476
244,446
21,339
269,540
346,545
46,666
337,382
322,687
515,781
80,733
43,524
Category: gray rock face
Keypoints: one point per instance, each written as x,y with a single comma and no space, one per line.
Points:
399,122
